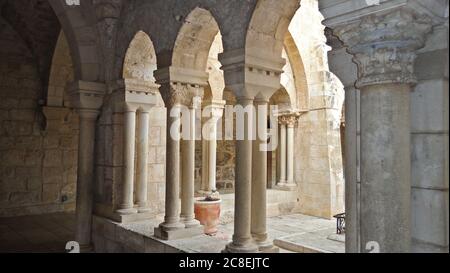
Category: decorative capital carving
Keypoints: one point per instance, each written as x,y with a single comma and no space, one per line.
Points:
384,47
177,93
289,120
181,86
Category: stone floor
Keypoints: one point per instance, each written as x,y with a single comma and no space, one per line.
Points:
50,233
291,233
36,234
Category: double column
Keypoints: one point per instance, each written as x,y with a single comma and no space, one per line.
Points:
286,150
136,98
181,99
87,98
252,79
384,50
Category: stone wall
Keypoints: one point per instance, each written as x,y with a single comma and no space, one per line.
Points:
429,146
38,146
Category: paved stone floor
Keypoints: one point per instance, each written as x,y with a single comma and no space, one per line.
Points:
36,234
50,233
292,233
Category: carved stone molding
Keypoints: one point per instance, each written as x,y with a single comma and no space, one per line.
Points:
384,47
132,94
87,95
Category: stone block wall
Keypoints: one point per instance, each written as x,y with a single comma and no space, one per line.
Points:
429,146
38,146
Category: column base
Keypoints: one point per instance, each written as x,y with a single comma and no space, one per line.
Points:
248,248
144,210
191,223
174,234
285,186
133,217
126,211
267,247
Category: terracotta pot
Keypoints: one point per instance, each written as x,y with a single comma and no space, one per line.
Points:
208,213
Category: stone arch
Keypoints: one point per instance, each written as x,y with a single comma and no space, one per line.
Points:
193,44
83,38
283,99
61,73
300,80
140,60
268,27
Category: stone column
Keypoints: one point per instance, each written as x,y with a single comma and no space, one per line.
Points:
259,180
142,160
129,145
282,153
290,147
177,94
384,50
242,238
188,170
209,146
87,97
172,203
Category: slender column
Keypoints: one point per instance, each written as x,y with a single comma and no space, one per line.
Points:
142,161
205,168
242,238
384,50
188,174
282,151
172,215
259,180
85,189
209,152
129,133
290,152
212,151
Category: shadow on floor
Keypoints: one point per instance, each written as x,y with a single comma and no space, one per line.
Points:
36,234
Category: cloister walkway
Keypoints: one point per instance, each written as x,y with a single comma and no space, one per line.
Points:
50,233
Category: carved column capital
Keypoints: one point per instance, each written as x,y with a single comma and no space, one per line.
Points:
384,46
289,120
177,93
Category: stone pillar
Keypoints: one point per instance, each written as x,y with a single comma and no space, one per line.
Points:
188,169
142,164
259,180
176,94
129,144
384,50
87,97
282,153
242,238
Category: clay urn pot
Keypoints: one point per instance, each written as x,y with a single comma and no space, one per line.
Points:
207,211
